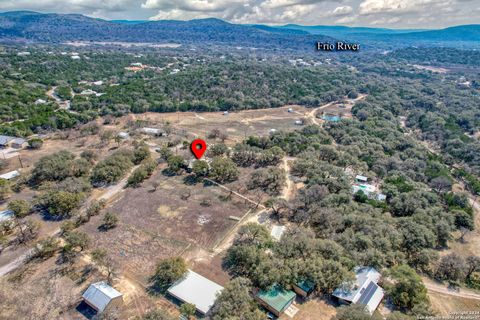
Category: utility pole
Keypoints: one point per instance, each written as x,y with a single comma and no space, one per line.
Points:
20,159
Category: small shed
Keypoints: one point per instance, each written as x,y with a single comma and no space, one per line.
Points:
197,290
100,296
304,287
277,232
276,300
10,175
123,135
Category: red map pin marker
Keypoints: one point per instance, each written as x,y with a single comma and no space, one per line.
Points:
198,148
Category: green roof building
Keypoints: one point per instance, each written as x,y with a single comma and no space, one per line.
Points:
304,288
276,300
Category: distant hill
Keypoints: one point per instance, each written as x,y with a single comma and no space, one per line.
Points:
58,28
458,33
335,31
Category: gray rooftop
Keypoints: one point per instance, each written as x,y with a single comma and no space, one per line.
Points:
197,290
100,294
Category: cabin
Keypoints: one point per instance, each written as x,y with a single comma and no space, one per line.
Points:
304,288
100,296
197,290
364,291
276,299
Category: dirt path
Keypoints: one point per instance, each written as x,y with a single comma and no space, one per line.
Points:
440,288
289,190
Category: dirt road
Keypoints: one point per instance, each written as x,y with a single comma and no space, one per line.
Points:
441,288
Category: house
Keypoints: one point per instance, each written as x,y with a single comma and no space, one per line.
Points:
276,300
100,296
303,288
277,232
10,175
153,131
364,291
361,179
6,215
5,141
197,290
19,143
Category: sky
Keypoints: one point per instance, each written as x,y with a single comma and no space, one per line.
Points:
425,14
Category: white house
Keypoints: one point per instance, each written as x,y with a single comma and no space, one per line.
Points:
197,290
364,291
100,296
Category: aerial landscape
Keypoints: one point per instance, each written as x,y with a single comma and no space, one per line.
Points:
242,160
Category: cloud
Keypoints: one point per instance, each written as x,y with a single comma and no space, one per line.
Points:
342,11
368,7
413,13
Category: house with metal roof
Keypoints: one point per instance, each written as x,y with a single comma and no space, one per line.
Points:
304,287
197,290
5,141
100,296
364,291
276,299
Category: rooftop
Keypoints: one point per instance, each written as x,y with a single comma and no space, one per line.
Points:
100,294
196,289
352,292
6,215
277,297
305,285
277,232
10,175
